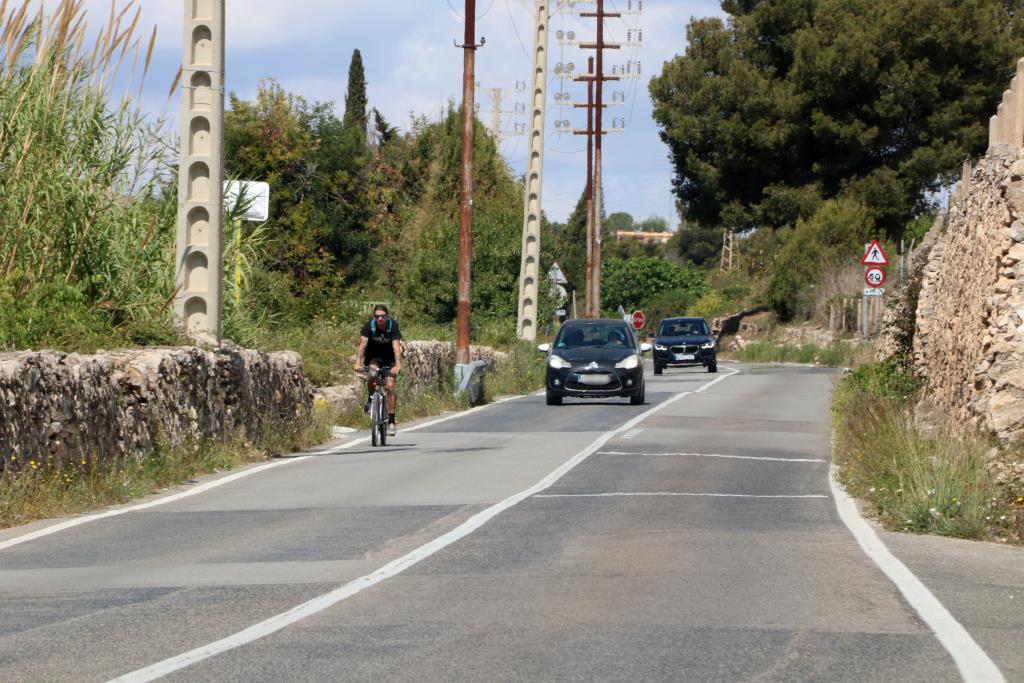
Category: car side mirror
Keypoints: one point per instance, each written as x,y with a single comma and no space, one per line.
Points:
645,347
544,348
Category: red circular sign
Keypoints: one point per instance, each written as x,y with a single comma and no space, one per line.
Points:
638,320
874,276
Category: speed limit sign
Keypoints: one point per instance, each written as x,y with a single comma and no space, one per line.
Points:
874,276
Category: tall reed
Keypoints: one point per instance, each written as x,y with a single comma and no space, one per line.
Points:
86,178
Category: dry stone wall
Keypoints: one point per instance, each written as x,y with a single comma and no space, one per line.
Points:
118,404
426,365
969,337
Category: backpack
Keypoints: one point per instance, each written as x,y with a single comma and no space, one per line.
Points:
373,326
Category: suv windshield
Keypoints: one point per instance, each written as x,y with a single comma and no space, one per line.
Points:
596,335
683,328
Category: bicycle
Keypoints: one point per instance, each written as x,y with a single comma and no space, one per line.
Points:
378,404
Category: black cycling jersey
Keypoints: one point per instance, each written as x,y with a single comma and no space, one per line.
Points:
378,341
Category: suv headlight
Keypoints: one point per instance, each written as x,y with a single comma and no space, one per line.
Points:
628,363
660,347
558,363
708,345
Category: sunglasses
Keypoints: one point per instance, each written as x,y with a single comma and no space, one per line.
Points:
380,315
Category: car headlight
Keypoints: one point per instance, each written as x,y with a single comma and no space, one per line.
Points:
660,347
558,363
628,363
708,345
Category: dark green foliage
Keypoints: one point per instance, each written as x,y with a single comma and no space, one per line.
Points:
697,244
631,283
620,220
836,233
569,246
792,101
355,97
671,303
652,224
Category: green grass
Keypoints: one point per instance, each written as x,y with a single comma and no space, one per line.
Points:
39,488
919,482
837,355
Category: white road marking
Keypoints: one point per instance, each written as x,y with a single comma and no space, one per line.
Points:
642,494
715,455
203,488
322,602
631,434
974,664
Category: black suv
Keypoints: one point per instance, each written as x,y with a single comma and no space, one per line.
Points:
684,341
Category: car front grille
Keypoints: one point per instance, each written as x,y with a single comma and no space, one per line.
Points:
612,383
686,348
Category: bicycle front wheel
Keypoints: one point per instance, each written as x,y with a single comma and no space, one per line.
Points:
375,432
382,422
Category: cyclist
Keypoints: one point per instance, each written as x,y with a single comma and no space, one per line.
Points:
379,345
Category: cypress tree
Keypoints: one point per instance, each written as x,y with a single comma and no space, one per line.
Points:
355,97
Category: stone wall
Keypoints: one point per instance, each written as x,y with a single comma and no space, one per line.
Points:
427,365
969,336
117,404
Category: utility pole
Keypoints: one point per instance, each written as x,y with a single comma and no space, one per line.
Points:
599,78
529,275
198,269
466,212
588,268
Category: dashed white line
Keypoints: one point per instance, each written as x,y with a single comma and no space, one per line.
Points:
714,455
322,602
631,434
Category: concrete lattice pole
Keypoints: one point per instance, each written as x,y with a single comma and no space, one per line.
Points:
197,303
529,269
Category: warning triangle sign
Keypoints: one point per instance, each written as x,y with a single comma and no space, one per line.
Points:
874,256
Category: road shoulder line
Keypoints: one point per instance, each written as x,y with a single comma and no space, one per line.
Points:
974,664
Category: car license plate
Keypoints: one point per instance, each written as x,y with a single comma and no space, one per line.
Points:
685,356
594,380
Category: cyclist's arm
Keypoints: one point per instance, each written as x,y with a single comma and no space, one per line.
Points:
360,352
397,346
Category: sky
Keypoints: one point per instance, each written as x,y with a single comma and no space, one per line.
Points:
413,67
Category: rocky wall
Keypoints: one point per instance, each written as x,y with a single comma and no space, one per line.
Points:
425,365
969,334
118,404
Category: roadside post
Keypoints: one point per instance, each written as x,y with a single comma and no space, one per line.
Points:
874,262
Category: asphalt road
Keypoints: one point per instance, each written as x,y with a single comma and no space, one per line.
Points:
695,538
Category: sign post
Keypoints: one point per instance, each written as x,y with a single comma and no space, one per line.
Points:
874,260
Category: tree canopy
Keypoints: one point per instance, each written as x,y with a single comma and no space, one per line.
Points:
789,102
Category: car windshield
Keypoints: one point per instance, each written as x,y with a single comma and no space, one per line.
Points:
683,328
596,335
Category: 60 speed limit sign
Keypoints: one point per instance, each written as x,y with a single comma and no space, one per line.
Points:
874,276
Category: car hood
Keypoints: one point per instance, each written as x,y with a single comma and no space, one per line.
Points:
593,354
688,339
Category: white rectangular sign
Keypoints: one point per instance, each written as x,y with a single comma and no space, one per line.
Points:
256,195
874,291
